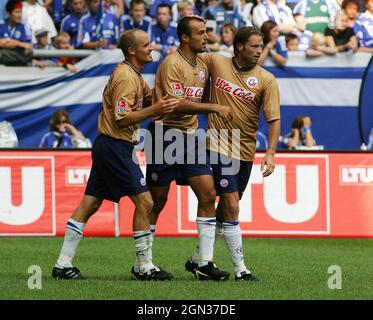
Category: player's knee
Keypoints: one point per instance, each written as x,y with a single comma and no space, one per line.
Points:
232,208
147,205
208,197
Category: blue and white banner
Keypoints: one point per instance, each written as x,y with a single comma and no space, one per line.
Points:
329,89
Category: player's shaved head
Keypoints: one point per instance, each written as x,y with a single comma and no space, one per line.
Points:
129,40
243,35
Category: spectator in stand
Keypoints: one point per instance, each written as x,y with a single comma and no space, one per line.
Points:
319,14
42,43
137,18
292,42
274,44
274,10
15,37
115,7
341,37
185,8
225,47
319,47
56,9
38,18
226,11
173,5
93,36
300,134
304,36
62,42
227,33
365,28
70,23
247,7
163,35
351,8
63,134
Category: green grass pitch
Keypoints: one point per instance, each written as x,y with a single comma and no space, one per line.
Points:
287,269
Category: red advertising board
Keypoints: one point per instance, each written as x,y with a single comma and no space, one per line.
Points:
308,195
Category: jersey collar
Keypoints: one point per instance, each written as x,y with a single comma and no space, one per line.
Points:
239,68
185,58
132,66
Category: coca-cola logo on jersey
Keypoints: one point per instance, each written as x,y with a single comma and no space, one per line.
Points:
193,92
235,90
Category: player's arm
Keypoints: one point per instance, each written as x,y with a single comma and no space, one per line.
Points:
162,106
187,106
271,106
268,163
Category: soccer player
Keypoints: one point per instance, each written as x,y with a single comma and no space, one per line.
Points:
114,174
245,86
183,75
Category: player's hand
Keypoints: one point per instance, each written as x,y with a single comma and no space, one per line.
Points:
166,105
268,165
225,112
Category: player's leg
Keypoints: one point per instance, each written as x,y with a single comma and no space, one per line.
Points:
159,195
203,187
143,240
228,212
64,268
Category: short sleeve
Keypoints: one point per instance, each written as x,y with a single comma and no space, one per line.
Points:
271,100
123,98
170,81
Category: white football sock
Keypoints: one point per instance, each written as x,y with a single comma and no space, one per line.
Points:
219,231
233,240
143,245
195,255
206,234
152,230
73,235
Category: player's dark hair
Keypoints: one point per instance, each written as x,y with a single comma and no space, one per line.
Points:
13,4
183,25
134,2
243,35
56,118
128,40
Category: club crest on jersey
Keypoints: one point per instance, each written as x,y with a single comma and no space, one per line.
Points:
177,89
122,106
252,82
202,76
234,90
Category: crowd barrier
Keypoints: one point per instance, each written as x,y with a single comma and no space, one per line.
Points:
310,194
335,91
